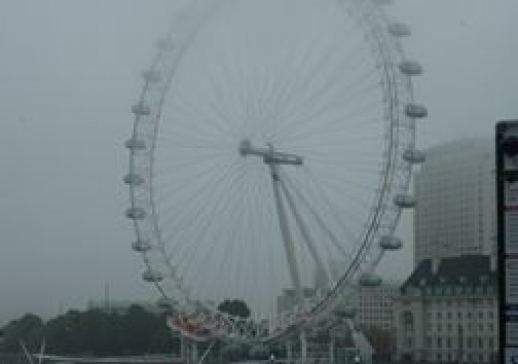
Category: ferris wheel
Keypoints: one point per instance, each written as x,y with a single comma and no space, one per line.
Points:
270,160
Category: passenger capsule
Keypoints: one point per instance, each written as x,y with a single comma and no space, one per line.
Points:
135,144
410,68
414,156
390,242
141,110
416,111
370,280
399,29
141,246
404,201
152,276
135,213
133,179
152,76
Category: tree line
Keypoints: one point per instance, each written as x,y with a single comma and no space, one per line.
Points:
94,332
98,332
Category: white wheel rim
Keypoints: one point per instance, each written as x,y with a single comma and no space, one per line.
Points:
194,185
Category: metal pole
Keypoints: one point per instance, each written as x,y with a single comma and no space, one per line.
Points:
304,232
194,348
332,350
289,351
286,233
303,347
182,347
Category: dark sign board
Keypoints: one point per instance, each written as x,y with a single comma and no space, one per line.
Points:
507,236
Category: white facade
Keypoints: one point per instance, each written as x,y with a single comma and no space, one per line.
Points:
451,315
455,191
374,306
288,299
448,330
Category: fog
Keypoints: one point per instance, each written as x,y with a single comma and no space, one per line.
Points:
70,71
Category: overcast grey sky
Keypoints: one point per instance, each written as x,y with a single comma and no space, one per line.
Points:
70,71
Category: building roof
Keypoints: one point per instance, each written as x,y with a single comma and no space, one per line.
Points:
456,274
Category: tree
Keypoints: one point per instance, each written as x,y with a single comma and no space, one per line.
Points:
93,332
27,329
138,328
163,341
235,308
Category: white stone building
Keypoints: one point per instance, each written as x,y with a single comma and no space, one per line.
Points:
455,191
288,299
447,312
374,306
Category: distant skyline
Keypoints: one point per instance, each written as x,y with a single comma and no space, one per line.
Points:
70,72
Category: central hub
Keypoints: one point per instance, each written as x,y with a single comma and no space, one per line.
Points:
269,154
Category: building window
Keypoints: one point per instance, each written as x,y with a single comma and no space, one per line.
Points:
459,315
439,342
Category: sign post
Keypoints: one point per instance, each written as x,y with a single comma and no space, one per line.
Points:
506,145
